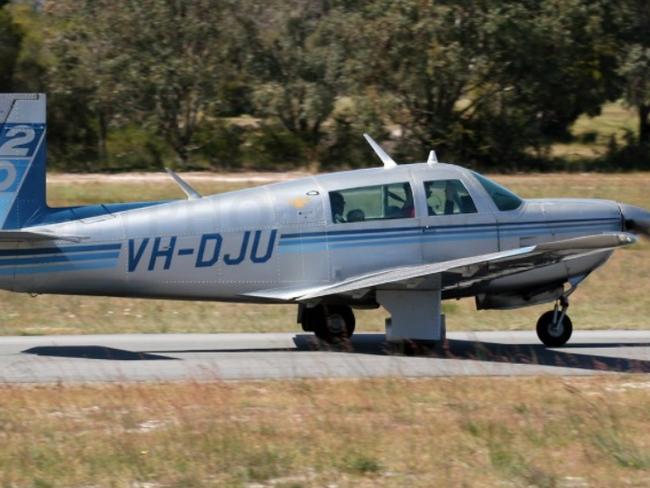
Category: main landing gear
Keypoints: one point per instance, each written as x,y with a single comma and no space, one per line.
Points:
415,316
554,328
330,323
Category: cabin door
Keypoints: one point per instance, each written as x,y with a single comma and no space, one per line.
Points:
457,221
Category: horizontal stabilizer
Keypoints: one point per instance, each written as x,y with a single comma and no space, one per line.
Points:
28,236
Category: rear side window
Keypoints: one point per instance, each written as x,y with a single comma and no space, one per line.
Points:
379,202
503,198
448,197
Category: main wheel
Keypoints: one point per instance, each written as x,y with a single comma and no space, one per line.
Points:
331,323
552,334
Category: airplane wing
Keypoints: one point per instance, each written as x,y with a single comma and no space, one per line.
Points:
461,272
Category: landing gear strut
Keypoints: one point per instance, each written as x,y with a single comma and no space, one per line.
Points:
330,323
554,328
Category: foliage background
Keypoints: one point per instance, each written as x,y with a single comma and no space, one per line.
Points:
227,84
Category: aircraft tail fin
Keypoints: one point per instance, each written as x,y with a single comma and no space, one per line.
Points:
22,158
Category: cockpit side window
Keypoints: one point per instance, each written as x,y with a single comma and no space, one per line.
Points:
379,202
503,198
448,197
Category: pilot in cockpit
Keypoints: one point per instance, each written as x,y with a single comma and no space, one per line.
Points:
408,208
337,203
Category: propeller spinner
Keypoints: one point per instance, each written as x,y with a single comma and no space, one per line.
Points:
637,219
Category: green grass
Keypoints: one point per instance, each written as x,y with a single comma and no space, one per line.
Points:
547,432
614,296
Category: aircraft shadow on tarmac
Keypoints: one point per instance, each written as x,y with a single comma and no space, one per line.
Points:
94,352
533,354
538,354
375,344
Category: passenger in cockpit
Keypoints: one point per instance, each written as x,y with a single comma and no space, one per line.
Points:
451,198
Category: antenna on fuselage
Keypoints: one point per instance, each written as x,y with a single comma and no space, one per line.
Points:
433,159
385,158
191,193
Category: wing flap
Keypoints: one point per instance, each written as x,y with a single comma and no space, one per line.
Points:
403,275
282,294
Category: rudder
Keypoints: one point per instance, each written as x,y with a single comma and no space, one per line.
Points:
22,158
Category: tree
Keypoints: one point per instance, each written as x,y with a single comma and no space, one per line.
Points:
636,72
296,65
421,57
90,62
182,54
10,41
635,62
160,62
554,61
484,81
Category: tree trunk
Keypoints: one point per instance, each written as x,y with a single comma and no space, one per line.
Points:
183,155
644,125
103,134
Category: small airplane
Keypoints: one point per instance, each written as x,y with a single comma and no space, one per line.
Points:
404,237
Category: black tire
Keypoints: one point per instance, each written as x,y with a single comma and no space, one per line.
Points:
311,318
549,337
330,323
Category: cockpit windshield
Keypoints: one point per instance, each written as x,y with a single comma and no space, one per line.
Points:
503,198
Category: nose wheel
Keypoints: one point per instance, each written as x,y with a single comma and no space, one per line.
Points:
554,328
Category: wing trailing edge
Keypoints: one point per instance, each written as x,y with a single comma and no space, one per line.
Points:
463,271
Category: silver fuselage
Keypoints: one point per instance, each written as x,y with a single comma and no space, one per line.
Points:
282,235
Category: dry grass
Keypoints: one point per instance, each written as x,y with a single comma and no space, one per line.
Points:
594,134
395,432
614,296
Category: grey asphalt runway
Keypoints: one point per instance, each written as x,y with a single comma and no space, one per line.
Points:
206,357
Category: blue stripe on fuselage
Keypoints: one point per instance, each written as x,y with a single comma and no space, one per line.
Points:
500,225
347,232
59,250
311,240
316,241
60,258
101,264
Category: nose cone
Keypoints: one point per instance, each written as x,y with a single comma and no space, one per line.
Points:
637,219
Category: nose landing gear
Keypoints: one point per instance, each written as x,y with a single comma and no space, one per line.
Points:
554,328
